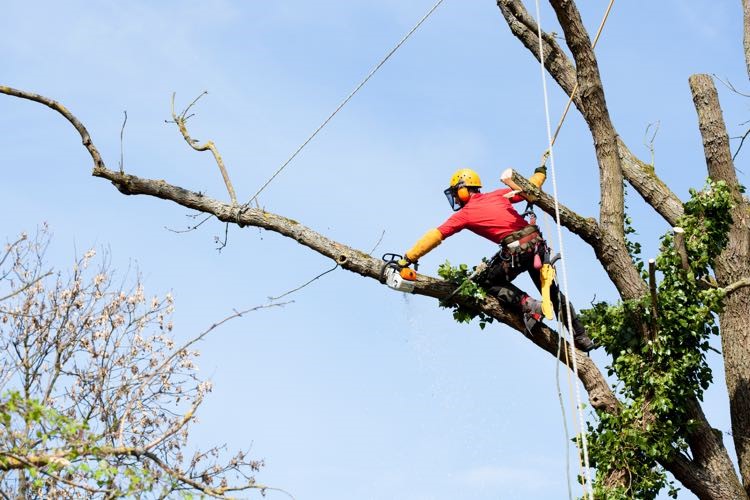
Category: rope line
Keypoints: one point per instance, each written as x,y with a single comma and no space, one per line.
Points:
587,483
345,101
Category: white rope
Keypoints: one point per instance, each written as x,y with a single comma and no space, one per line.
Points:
587,472
343,103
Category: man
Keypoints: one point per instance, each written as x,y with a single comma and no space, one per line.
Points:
492,216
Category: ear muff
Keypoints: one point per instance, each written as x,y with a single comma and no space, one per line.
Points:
463,194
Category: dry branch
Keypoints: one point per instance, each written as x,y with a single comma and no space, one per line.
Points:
181,122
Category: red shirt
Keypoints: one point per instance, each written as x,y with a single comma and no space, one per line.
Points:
487,214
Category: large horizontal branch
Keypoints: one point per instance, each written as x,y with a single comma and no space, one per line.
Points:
639,174
355,261
600,394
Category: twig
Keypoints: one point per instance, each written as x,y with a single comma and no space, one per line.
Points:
222,244
189,228
649,143
729,85
305,284
25,287
180,121
377,244
742,141
122,149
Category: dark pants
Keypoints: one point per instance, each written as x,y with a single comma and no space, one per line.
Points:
504,268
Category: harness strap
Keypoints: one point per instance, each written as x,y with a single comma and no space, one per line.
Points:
529,232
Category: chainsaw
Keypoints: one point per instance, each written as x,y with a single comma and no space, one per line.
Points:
397,276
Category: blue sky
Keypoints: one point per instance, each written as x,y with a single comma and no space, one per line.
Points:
352,391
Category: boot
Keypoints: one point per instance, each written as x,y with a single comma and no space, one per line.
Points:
581,338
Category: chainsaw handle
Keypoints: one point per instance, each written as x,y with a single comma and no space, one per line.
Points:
392,257
395,258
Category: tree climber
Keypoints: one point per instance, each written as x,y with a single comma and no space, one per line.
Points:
492,216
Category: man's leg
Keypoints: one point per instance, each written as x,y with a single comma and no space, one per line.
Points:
499,284
560,303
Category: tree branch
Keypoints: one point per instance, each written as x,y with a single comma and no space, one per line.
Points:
639,174
50,103
181,122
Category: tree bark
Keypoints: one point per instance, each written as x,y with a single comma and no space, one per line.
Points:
732,265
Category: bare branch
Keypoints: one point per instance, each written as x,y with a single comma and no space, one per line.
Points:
122,148
50,103
25,287
181,120
305,284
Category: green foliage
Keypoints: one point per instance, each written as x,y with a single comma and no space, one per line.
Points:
467,289
661,366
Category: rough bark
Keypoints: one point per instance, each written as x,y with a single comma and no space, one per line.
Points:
731,266
638,173
709,474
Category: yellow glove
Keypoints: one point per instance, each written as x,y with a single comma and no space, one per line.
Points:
540,174
430,240
547,273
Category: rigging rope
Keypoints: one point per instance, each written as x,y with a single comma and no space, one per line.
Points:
550,153
345,101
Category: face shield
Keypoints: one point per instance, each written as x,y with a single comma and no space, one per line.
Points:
453,200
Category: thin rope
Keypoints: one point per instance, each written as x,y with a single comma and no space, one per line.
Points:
566,439
584,441
345,101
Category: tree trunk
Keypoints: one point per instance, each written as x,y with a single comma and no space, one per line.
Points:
732,265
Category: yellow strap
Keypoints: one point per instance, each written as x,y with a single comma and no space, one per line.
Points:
547,273
430,240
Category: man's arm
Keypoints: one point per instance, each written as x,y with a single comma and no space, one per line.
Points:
434,237
517,194
430,240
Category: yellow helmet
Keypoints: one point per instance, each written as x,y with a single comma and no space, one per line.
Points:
466,177
463,182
